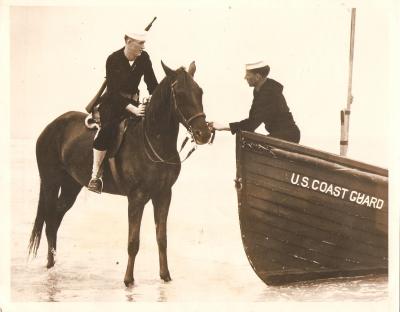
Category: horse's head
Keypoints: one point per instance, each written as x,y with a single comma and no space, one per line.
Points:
187,100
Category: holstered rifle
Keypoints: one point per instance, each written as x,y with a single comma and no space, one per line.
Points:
95,100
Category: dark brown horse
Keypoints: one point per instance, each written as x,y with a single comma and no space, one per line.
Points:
147,162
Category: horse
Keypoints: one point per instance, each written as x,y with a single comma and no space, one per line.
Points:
147,162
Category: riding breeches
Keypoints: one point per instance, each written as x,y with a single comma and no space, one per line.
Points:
105,136
111,114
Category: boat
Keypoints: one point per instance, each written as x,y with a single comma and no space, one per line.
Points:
306,214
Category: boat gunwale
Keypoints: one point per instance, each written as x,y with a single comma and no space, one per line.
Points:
309,151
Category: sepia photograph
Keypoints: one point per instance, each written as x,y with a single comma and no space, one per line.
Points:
192,155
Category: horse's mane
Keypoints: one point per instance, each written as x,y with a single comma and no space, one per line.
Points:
160,102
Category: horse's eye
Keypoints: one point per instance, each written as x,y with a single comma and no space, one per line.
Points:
180,95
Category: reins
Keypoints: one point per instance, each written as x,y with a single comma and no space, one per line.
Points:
158,158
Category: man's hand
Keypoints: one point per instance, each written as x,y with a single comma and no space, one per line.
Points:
141,110
138,111
147,100
218,126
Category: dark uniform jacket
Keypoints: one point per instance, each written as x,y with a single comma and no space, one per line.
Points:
269,107
122,80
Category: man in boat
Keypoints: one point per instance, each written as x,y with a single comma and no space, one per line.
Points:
269,107
124,70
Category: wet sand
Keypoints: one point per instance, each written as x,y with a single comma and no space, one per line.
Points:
206,258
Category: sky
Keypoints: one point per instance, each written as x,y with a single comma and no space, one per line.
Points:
58,53
56,62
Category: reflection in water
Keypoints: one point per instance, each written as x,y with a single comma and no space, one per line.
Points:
162,296
368,288
52,285
129,295
149,291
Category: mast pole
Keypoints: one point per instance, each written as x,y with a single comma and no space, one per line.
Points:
345,113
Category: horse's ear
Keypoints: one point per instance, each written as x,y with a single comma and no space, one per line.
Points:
168,71
192,69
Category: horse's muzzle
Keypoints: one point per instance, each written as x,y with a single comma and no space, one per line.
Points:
202,135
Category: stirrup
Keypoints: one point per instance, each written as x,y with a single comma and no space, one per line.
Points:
95,185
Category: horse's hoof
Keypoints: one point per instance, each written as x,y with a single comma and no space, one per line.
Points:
166,278
50,264
129,283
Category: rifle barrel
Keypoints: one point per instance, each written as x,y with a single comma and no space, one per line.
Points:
151,23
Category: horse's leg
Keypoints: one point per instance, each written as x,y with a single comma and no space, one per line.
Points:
161,204
69,191
51,194
136,201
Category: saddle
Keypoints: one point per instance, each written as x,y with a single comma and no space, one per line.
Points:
92,121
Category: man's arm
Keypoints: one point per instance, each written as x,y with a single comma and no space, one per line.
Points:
113,75
149,76
261,108
258,112
114,78
251,123
248,124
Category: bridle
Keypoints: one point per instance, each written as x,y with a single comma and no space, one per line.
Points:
186,122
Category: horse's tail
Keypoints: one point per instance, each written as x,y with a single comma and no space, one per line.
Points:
38,225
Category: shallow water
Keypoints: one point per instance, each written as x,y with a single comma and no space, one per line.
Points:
206,258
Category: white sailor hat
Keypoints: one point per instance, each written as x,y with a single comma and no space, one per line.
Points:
255,65
140,36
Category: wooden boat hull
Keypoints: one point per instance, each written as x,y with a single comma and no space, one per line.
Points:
306,214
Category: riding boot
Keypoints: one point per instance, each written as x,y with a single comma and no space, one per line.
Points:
96,183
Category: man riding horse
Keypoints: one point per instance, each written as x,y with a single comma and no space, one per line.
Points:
124,71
